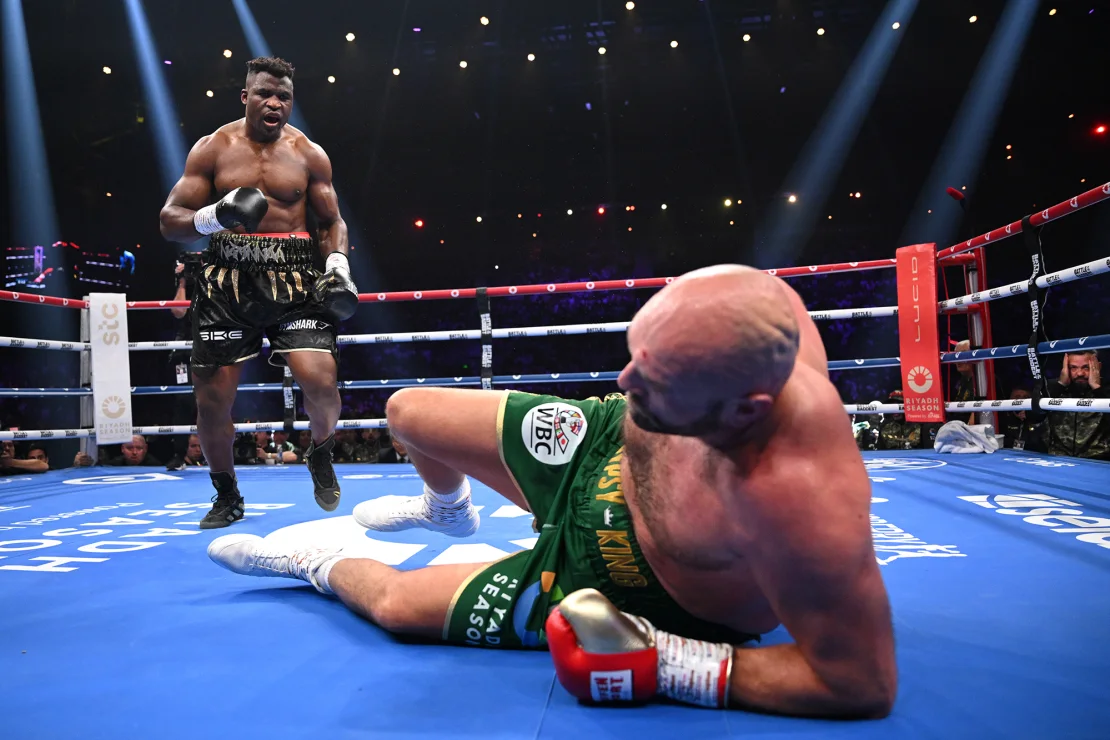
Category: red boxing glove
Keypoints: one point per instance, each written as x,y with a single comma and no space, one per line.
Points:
602,654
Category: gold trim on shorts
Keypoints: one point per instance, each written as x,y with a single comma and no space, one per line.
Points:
455,599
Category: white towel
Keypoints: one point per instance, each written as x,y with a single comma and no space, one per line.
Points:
957,437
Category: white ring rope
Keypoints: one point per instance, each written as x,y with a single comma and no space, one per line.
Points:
1067,275
1098,405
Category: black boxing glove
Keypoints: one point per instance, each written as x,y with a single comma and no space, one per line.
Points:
335,290
244,207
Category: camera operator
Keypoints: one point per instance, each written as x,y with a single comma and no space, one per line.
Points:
185,275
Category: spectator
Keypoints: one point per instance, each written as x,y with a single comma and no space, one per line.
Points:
12,465
1074,433
1020,430
965,384
280,450
896,433
304,439
396,453
194,455
367,445
135,453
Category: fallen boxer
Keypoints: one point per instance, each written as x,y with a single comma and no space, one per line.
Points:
722,496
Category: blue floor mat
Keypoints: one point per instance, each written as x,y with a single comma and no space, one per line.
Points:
115,624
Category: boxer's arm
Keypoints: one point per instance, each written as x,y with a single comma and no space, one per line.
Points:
324,202
815,563
191,193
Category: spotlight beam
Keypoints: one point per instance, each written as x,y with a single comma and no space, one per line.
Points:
169,144
961,155
788,228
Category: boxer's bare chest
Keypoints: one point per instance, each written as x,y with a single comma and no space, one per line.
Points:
276,168
686,527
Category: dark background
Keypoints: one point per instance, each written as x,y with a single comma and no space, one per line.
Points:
687,127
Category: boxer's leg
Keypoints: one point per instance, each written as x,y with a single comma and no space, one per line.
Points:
215,389
316,373
451,433
412,602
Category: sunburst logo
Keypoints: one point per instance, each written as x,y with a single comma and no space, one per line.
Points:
919,379
113,407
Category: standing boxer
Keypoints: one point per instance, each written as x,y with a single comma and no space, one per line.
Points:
260,275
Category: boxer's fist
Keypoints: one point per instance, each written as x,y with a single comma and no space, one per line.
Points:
602,654
244,207
335,290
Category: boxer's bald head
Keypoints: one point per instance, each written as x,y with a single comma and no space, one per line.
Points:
710,352
268,96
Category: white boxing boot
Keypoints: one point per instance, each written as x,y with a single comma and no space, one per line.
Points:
451,513
250,555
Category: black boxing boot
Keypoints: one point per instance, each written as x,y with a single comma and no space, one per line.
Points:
318,460
227,504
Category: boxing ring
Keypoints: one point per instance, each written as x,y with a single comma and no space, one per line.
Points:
117,624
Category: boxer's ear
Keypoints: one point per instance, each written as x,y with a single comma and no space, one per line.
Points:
243,96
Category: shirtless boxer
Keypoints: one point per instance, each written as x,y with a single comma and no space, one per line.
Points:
260,275
723,497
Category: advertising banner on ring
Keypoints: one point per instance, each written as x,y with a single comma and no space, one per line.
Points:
111,371
922,389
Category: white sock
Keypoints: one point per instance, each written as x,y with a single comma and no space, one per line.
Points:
323,570
460,496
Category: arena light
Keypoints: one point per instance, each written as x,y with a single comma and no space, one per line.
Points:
1009,156
601,210
227,53
484,21
520,215
896,25
728,202
462,64
570,212
331,78
350,37
209,93
663,207
820,32
630,5
747,37
531,57
972,19
108,71
793,199
479,219
1071,115
1052,12
601,51
396,71
674,44
1009,147
418,223
109,195
1100,129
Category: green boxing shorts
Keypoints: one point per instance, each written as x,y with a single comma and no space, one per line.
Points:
565,457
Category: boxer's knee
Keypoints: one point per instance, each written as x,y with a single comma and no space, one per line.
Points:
402,412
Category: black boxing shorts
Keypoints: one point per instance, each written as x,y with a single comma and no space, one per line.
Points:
255,284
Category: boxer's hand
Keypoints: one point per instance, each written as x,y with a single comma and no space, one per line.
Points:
602,654
335,290
244,207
